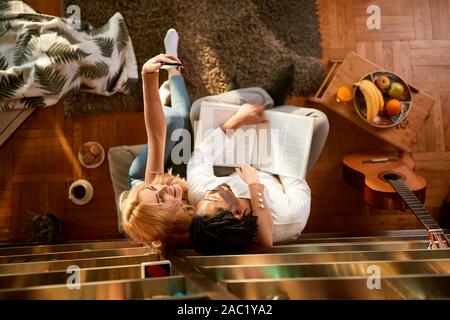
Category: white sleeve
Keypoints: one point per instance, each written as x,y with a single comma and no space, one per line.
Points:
200,171
297,196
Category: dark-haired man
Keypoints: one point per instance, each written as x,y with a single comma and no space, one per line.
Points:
280,204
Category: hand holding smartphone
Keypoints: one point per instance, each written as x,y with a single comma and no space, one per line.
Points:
167,65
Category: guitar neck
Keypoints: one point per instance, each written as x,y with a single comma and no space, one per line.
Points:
414,204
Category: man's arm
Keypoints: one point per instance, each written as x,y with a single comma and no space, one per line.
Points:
260,207
297,200
200,169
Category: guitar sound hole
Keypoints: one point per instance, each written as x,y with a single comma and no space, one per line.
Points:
389,175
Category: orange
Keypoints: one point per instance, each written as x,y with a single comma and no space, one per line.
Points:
344,94
393,107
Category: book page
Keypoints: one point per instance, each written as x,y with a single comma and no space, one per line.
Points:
290,144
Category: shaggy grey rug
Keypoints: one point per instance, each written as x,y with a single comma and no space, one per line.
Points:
254,39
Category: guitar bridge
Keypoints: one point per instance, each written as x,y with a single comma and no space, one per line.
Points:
438,239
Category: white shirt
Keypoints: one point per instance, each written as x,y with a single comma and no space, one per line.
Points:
289,199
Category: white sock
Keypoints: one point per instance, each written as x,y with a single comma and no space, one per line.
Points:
164,93
171,42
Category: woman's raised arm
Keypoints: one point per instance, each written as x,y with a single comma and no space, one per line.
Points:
155,122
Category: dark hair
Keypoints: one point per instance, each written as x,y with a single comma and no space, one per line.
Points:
222,233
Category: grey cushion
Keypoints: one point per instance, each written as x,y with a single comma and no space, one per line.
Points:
120,159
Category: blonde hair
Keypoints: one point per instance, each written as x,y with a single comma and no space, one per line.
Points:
163,226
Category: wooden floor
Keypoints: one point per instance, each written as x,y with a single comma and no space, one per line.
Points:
38,162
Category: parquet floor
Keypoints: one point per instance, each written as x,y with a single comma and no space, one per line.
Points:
414,41
39,161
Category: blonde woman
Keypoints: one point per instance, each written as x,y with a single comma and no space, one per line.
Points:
155,209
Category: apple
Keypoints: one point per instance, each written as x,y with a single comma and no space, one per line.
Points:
383,82
396,90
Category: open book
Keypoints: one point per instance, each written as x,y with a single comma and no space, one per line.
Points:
279,147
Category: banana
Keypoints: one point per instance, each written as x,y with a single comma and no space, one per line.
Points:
377,92
370,96
380,98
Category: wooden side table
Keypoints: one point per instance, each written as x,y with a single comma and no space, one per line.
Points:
351,70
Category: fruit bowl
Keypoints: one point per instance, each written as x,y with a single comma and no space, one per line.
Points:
383,119
91,155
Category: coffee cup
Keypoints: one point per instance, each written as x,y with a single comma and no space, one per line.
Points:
81,192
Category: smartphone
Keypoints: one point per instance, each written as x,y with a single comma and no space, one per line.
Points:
168,65
156,269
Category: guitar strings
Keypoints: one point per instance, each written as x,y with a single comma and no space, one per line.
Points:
434,234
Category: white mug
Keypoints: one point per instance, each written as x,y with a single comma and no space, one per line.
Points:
81,192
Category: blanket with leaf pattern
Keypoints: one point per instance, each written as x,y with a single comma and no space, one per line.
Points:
44,58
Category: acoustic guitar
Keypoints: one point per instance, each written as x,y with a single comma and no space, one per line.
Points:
388,182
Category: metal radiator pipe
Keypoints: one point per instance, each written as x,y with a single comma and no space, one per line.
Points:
281,258
96,245
32,267
335,247
74,255
330,270
391,288
60,277
158,288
